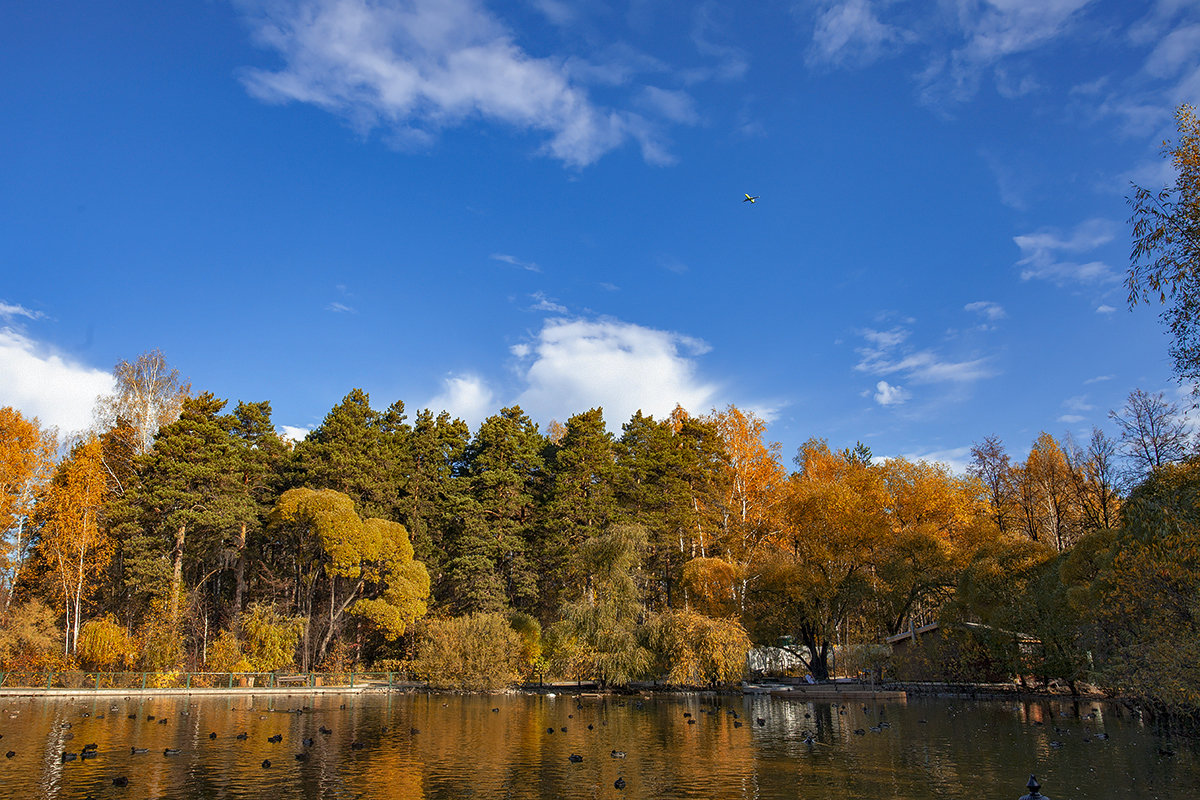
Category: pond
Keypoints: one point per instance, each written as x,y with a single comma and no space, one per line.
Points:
408,746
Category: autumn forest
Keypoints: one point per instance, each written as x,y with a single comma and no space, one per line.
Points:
183,534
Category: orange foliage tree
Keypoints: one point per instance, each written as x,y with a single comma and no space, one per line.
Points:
26,463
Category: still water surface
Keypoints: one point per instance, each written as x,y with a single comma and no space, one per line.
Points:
409,746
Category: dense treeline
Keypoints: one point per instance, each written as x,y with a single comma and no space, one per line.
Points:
212,543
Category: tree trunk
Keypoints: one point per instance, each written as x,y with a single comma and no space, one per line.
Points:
334,617
239,590
177,571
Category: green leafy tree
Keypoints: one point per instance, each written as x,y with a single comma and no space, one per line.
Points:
668,480
187,511
433,492
489,548
1165,260
604,622
579,504
349,565
349,453
1143,598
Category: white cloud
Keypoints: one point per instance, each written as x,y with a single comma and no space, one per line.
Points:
1042,251
888,395
516,262
419,67
1099,379
293,433
992,311
1071,419
340,308
465,396
1078,403
574,365
1104,309
39,383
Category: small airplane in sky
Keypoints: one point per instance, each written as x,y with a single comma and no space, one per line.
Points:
750,199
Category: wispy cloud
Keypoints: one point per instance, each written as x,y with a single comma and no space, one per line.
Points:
544,303
9,311
340,308
1042,254
1105,309
850,33
962,43
956,459
884,355
992,312
420,67
529,266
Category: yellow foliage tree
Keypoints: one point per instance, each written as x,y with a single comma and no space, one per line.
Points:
697,650
756,487
75,545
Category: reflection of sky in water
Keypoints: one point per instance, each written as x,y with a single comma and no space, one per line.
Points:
450,747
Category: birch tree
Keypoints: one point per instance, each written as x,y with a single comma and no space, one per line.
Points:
75,545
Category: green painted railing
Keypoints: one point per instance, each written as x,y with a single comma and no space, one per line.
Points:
86,680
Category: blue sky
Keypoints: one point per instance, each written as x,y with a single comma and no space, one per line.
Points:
469,204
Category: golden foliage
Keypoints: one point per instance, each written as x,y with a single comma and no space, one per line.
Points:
756,482
697,650
225,654
479,651
269,638
31,638
106,645
711,585
74,543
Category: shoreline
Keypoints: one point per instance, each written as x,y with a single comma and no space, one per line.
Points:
829,692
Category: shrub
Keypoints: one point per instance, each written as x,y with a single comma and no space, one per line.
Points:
270,638
479,651
105,645
30,638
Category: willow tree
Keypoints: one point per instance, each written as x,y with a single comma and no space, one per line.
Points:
342,564
604,621
1165,259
